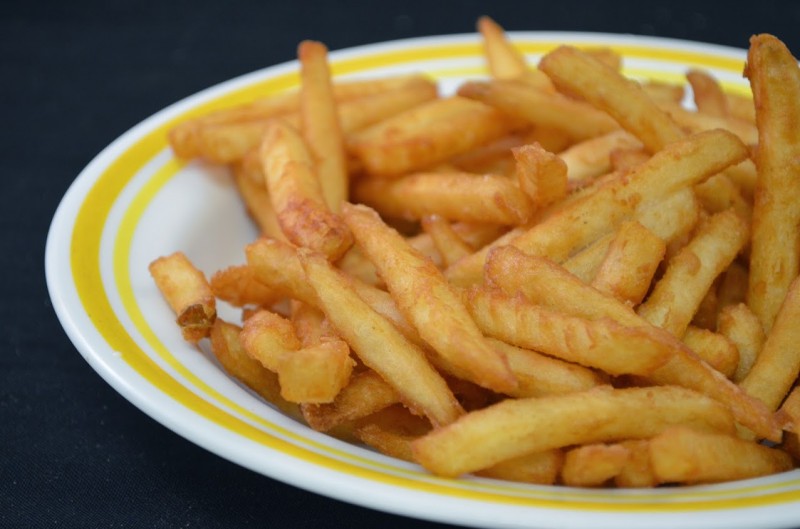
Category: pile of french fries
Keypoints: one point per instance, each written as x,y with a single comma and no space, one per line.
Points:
556,275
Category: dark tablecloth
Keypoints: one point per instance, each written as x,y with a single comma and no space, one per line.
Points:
74,76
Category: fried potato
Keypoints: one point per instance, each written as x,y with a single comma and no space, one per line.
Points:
709,98
689,275
454,196
594,464
541,174
684,455
320,123
775,246
426,299
188,293
540,108
402,364
427,134
295,192
576,72
450,246
741,326
778,362
538,424
315,374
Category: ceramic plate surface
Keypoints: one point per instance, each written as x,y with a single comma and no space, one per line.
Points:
135,202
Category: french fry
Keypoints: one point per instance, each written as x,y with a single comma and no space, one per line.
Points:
256,198
320,123
544,282
625,159
391,430
713,348
690,274
682,163
637,472
542,175
694,122
295,193
775,81
719,193
594,464
455,196
425,298
709,98
427,134
778,364
540,108
539,375
603,344
267,336
739,324
187,291
733,285
238,286
450,246
366,393
228,350
684,455
316,373
630,263
591,158
402,364
541,468
789,411
539,424
576,72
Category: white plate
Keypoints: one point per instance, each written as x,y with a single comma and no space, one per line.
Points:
135,202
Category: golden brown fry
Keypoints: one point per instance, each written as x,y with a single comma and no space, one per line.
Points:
358,114
295,193
540,108
684,455
593,465
427,300
188,293
591,158
450,246
689,275
320,123
231,355
739,324
366,394
391,430
577,72
778,363
255,196
541,468
719,193
630,263
455,196
238,286
713,348
267,336
539,424
789,411
542,175
774,263
317,373
662,92
624,160
539,375
503,59
402,364
694,122
637,470
427,134
544,282
709,98
602,343
585,219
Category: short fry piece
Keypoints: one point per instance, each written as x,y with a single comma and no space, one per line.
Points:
708,95
450,246
542,175
238,286
188,293
315,374
741,326
541,468
267,336
684,455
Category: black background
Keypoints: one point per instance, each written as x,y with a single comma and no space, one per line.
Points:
74,76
